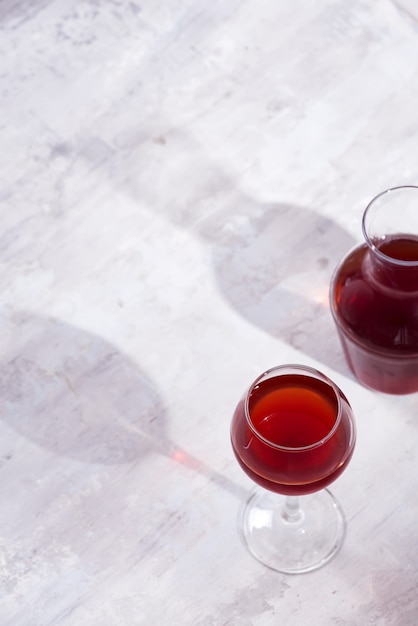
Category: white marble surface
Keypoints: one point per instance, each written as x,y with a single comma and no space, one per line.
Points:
178,181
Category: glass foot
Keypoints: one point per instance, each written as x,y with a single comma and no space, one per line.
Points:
289,539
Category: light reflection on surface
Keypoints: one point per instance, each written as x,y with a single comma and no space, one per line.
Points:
191,462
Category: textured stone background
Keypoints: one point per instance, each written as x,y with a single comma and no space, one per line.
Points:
178,182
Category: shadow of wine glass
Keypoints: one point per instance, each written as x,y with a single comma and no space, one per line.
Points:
76,395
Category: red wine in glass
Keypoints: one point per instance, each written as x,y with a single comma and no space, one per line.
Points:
293,434
299,447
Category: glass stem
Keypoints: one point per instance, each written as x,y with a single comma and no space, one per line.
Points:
292,512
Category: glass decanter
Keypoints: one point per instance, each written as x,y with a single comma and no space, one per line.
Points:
293,433
374,295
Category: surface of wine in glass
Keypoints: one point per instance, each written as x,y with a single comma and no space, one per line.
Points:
292,434
375,306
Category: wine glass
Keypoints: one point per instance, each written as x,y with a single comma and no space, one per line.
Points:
293,433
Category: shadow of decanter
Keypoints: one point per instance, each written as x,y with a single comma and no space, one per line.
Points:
273,261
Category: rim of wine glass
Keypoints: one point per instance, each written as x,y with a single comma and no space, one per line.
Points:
306,369
368,239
